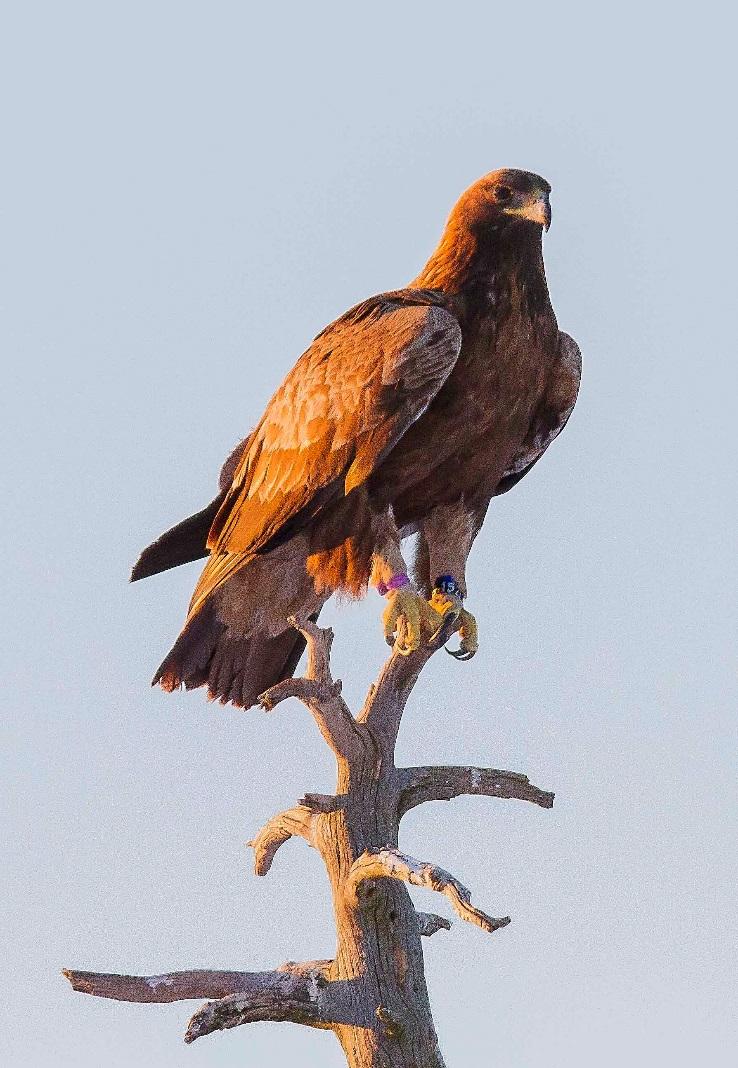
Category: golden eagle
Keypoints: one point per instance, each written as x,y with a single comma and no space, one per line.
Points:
408,414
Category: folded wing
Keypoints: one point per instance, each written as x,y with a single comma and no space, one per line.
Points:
346,403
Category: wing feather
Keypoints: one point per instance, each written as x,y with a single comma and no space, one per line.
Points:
552,413
349,399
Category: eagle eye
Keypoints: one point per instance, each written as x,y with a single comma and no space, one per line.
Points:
503,193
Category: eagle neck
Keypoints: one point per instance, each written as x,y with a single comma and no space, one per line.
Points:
478,269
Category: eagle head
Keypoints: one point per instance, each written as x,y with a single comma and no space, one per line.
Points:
508,196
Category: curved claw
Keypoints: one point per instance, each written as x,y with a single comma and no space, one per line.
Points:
460,653
408,618
467,631
449,617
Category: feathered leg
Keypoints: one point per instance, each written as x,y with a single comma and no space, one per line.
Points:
408,617
446,538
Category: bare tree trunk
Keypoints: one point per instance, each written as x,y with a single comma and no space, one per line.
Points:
373,994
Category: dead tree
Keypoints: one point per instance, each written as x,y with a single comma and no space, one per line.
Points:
373,994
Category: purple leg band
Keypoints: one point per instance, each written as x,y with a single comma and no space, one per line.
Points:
395,583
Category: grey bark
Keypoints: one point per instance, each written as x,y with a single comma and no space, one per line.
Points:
372,996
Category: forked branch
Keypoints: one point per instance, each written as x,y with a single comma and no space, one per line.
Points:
441,783
392,864
317,690
297,994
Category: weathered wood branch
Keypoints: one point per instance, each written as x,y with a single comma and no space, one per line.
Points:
386,699
295,993
174,986
442,783
392,864
429,923
280,828
373,996
319,693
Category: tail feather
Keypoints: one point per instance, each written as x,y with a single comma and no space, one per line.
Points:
188,662
180,545
237,671
236,640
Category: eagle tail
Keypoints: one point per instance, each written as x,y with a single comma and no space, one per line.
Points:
183,543
237,641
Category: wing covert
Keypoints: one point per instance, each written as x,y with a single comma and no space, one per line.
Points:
345,404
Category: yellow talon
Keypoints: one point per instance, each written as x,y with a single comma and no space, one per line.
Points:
444,604
469,637
466,625
406,619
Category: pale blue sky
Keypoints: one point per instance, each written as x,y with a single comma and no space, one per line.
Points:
190,192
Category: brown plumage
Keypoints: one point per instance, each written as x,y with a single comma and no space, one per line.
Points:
417,405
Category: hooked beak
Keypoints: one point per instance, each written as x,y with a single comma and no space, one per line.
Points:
539,211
